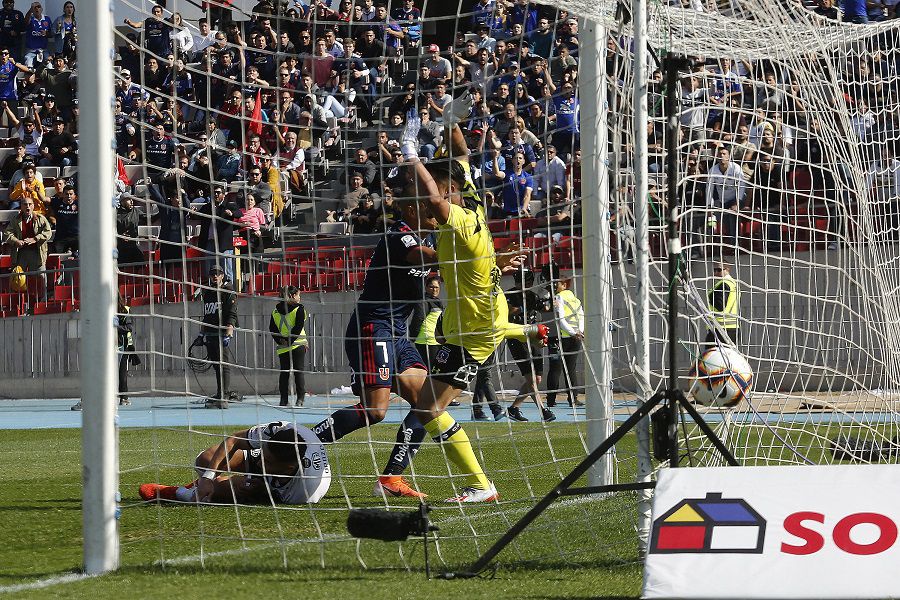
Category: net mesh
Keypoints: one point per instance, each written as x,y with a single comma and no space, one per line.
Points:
799,109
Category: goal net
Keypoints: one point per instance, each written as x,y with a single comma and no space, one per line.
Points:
273,142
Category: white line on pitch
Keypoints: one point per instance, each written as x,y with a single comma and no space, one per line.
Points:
43,583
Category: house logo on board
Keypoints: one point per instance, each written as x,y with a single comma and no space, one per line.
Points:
711,525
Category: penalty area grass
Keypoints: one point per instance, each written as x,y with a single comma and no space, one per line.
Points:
582,547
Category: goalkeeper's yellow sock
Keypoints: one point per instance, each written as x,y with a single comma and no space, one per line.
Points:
446,431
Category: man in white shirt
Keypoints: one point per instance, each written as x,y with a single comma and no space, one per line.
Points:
725,192
204,39
549,172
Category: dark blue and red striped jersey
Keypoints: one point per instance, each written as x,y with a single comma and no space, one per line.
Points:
393,285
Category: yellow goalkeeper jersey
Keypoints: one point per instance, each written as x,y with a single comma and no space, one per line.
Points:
476,315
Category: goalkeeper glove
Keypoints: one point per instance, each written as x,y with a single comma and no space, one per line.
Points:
409,140
458,109
539,333
226,340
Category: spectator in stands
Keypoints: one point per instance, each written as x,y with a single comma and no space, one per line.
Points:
550,172
260,188
153,77
29,134
493,168
252,220
430,134
439,68
542,39
517,188
13,163
202,39
37,34
127,220
27,236
228,166
505,122
29,187
159,150
64,25
363,218
374,55
9,69
566,138
725,193
560,217
515,144
356,192
409,18
769,181
12,25
65,212
173,225
59,82
364,167
292,162
58,147
217,221
129,92
157,34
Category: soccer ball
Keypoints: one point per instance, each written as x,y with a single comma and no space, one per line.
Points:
721,377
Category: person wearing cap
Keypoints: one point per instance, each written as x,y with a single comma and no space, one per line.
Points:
58,83
220,317
129,92
485,40
288,329
438,66
723,299
58,148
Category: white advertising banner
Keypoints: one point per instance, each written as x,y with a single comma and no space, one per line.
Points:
775,532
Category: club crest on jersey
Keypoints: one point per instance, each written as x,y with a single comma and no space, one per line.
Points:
409,241
384,372
443,355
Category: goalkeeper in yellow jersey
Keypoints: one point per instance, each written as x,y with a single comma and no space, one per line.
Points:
475,321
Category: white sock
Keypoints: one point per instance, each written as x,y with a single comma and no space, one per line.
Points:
183,494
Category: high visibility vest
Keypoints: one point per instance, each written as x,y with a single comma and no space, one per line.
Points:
727,318
285,324
429,325
571,308
127,337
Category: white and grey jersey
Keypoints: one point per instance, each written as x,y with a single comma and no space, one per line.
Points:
313,478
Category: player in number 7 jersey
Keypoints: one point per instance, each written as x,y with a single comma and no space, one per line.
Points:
381,355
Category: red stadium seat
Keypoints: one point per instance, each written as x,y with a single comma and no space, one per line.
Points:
497,226
11,304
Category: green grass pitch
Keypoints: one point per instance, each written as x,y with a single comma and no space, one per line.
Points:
580,548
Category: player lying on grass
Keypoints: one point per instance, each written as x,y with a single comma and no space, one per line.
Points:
381,355
475,321
277,462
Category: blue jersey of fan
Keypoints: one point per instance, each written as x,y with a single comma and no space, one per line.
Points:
393,285
8,72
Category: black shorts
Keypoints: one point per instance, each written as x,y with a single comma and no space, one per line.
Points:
527,359
454,366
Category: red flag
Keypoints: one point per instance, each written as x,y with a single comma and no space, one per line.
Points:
256,122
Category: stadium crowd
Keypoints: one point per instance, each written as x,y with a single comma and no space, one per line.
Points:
234,125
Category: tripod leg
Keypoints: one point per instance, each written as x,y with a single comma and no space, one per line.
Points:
563,485
707,430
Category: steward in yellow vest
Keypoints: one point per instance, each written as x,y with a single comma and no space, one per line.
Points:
288,328
426,338
724,300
